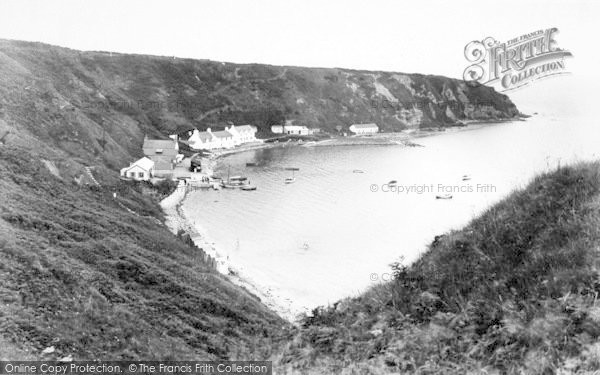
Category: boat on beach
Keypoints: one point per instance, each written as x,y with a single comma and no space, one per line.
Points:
248,188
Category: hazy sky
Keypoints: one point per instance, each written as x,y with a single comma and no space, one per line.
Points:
406,36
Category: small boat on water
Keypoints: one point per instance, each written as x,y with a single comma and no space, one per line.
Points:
248,187
393,183
466,177
357,171
292,179
234,182
251,164
444,196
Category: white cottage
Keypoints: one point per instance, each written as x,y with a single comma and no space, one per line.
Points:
364,128
242,133
141,170
290,129
224,139
202,140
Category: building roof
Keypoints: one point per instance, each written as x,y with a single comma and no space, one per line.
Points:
162,163
204,136
245,128
222,134
198,136
144,163
365,126
296,126
160,147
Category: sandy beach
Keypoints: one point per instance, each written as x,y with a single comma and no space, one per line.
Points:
176,220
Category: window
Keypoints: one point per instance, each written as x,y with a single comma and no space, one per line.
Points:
141,174
131,174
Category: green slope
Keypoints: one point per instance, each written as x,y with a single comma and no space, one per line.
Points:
515,291
83,274
96,105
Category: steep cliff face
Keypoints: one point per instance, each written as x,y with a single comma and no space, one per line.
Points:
98,106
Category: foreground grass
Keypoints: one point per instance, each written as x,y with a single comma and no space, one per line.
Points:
82,273
515,291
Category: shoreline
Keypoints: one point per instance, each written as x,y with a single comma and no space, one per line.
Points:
175,218
402,138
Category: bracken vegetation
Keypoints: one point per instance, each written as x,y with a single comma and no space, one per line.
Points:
99,277
515,291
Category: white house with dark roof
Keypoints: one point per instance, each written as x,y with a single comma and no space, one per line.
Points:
364,128
140,170
243,133
223,139
230,137
201,140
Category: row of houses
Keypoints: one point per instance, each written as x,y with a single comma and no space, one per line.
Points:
230,137
161,156
292,129
357,129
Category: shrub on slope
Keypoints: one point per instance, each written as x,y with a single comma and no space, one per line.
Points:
514,291
82,273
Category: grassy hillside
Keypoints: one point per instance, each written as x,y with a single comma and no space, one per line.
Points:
97,106
99,277
83,274
515,291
